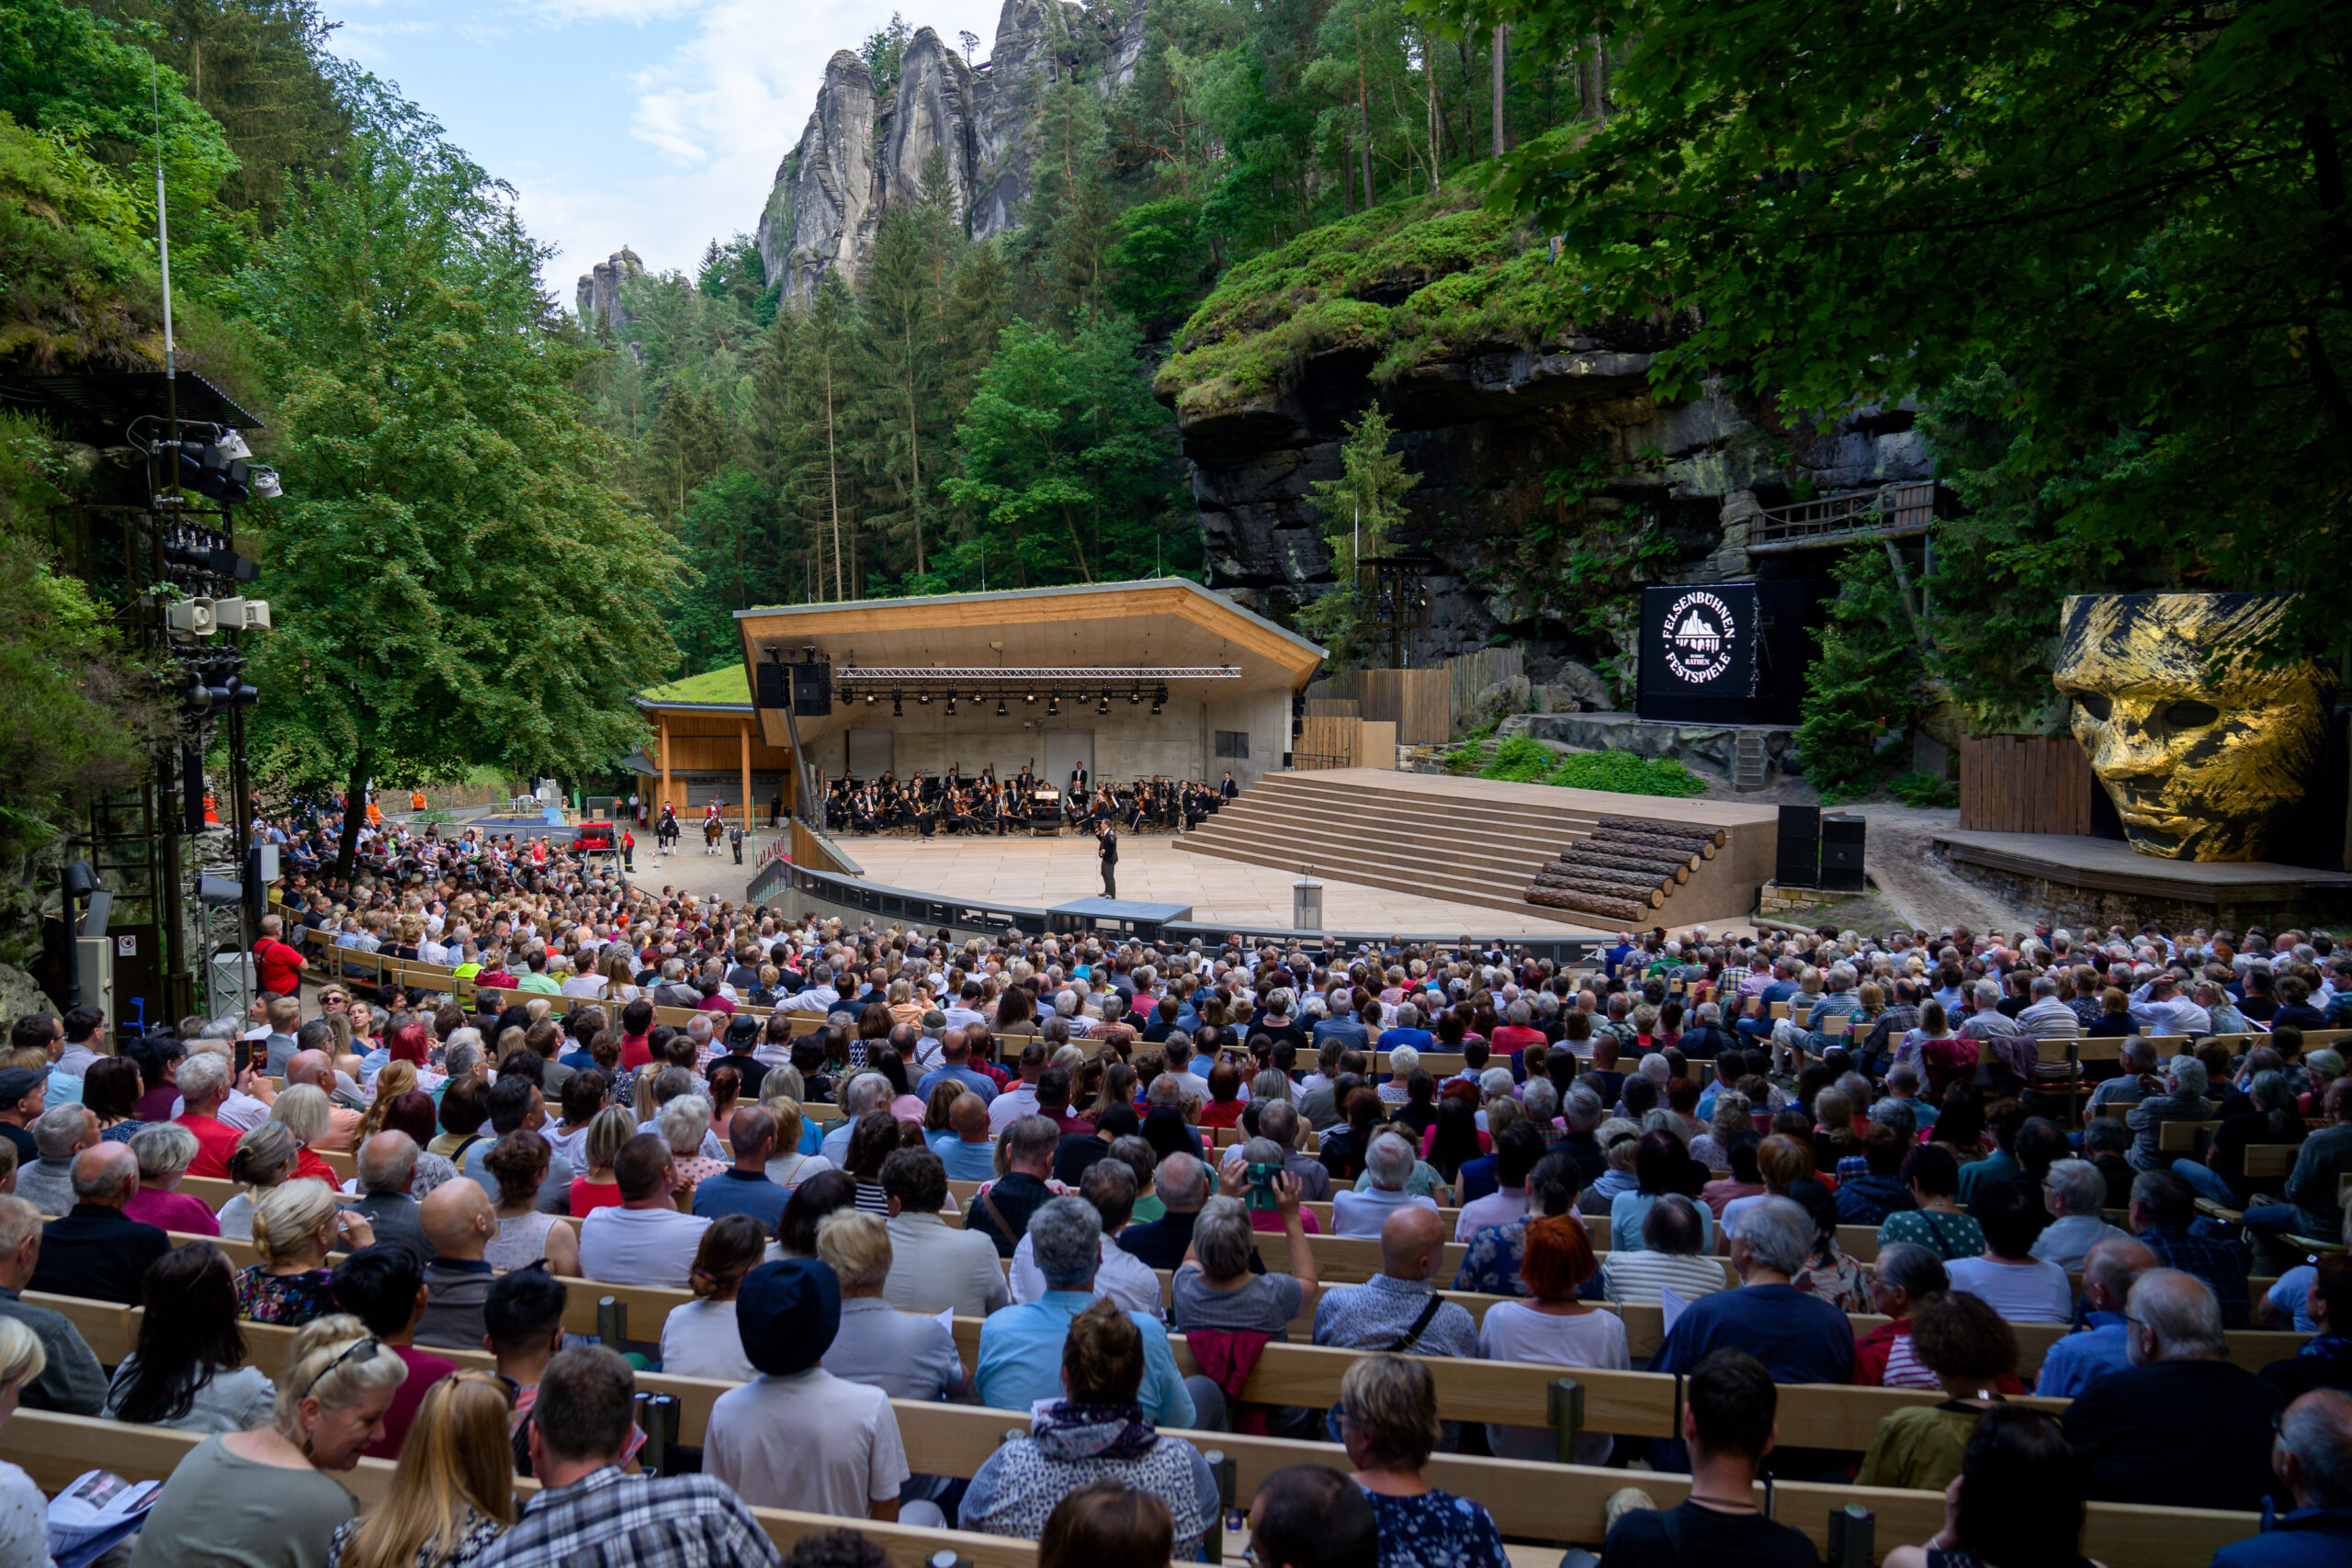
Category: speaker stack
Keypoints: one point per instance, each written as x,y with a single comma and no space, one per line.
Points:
1841,854
1798,863
813,689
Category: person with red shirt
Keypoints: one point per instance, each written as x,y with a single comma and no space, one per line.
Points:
637,1023
281,966
203,1081
1512,1038
383,1287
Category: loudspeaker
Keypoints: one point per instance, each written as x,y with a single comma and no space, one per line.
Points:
1798,862
1841,854
812,689
770,686
192,788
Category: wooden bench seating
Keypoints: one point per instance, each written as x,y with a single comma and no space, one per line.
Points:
54,1449
1529,1502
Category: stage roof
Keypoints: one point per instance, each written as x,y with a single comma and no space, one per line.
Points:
1168,622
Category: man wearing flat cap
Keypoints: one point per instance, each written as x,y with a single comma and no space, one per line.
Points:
797,1437
24,1095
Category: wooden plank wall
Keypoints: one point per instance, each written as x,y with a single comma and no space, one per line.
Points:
2025,784
1472,673
1333,707
1330,742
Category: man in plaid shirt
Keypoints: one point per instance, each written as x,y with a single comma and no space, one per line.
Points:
590,1514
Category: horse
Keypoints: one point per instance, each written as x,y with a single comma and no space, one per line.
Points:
714,829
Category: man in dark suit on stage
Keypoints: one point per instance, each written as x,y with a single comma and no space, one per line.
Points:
1107,850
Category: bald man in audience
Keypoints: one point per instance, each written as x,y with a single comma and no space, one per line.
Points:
95,1250
970,1155
1385,1313
458,1222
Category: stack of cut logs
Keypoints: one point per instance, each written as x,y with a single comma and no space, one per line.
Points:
1625,869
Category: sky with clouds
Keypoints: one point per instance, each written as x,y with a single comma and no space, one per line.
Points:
657,124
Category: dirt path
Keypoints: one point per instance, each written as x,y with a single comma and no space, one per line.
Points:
1899,858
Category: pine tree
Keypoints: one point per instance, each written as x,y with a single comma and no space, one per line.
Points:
902,369
1359,509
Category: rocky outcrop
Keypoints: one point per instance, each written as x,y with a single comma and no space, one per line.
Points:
821,216
858,157
1488,433
598,293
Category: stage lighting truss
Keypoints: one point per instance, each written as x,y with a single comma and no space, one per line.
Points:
979,684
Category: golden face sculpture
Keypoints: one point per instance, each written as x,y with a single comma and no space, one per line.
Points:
2202,750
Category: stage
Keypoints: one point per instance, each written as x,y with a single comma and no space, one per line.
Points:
2091,884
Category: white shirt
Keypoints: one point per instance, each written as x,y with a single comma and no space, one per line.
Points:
700,1340
1515,1331
816,998
1122,1278
1363,1213
241,1111
639,1246
961,1016
1192,1083
2174,1015
810,1441
1497,1208
1011,1107
2021,1293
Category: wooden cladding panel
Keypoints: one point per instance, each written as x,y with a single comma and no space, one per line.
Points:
2025,784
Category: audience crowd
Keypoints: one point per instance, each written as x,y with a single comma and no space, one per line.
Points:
1687,1124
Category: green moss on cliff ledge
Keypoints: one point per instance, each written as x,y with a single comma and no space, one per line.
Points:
1412,281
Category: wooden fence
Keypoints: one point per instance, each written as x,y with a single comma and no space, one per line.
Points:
2025,784
1338,741
1427,706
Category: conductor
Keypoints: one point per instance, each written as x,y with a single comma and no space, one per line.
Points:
1107,850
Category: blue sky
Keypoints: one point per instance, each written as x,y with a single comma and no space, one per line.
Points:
657,124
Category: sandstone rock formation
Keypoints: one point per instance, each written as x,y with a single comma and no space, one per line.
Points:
858,157
598,293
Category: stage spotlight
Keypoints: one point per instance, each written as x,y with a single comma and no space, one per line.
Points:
1135,696
1030,697
869,699
923,698
1000,707
1106,704
898,708
1054,703
951,705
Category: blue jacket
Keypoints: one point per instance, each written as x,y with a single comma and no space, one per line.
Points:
2308,1538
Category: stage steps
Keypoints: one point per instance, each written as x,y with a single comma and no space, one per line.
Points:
1750,762
1479,853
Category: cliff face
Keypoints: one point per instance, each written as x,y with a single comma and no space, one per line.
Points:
598,293
858,157
1545,462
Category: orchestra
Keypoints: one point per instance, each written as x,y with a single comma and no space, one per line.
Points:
950,804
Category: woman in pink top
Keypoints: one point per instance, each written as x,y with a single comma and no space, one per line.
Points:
164,1151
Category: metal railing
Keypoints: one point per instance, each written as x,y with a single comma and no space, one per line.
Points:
1889,511
855,898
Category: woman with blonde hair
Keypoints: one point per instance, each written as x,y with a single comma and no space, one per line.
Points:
304,1110
788,1167
620,980
453,1494
295,1227
24,1511
395,1078
1388,1423
597,1188
265,1497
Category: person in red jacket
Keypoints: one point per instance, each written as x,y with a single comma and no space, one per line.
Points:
280,965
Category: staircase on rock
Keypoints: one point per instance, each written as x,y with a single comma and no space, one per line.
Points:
1624,868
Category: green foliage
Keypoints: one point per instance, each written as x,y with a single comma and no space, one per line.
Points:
73,76
1156,259
2138,212
458,582
77,290
1864,685
1520,759
1067,460
884,51
1358,510
80,710
1457,276
1923,789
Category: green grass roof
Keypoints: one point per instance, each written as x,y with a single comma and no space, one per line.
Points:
727,685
